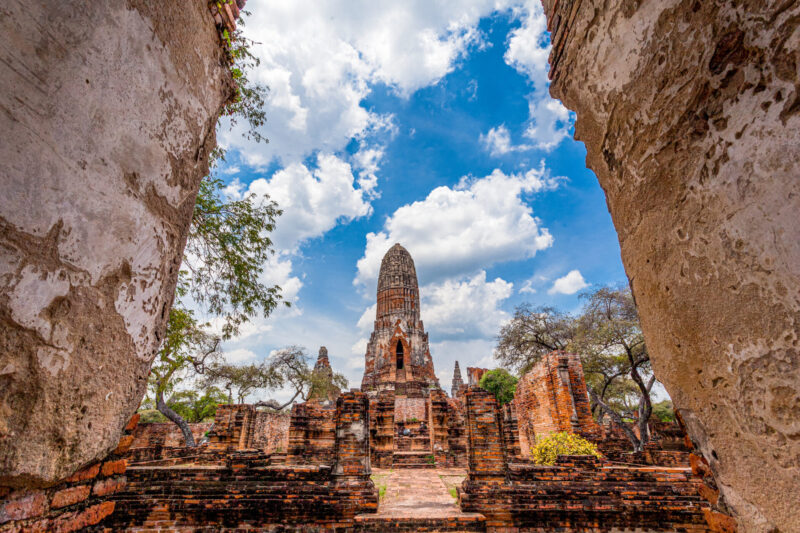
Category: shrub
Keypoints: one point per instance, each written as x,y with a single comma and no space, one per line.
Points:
663,411
149,416
500,383
550,447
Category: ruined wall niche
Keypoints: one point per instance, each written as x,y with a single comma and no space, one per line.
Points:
689,112
552,397
109,117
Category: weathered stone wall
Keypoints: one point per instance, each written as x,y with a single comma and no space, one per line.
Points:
312,433
474,375
689,112
108,118
270,432
406,409
233,426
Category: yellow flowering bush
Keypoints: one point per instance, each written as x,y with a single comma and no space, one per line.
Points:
550,447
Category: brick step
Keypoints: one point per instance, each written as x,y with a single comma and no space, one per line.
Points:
412,459
466,522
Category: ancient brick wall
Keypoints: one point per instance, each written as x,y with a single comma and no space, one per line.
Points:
486,454
456,432
410,408
352,438
579,493
82,500
552,397
474,375
233,426
270,432
382,429
166,434
312,433
243,491
511,430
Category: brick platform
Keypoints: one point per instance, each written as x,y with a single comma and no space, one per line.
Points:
226,489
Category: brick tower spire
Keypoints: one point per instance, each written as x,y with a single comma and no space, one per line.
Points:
398,290
397,355
322,361
458,383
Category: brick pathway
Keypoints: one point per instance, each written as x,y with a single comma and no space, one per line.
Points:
422,493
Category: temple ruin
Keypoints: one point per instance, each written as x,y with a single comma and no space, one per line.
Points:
414,422
689,113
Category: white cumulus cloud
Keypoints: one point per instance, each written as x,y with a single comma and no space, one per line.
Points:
549,121
313,200
459,230
321,58
569,284
467,308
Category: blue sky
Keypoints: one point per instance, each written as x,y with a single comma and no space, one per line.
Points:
430,125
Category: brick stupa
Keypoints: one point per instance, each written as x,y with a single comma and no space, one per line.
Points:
398,357
413,422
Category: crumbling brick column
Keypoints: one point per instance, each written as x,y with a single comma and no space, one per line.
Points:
233,427
487,455
352,438
552,397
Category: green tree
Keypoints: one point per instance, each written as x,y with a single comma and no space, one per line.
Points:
608,337
293,366
223,261
533,333
196,406
224,258
500,383
609,331
664,411
186,346
244,379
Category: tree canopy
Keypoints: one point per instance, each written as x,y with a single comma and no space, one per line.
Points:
223,262
293,365
608,337
500,383
244,379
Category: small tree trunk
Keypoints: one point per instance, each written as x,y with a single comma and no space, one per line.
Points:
638,445
176,419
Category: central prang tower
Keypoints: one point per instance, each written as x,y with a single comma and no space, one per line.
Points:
398,358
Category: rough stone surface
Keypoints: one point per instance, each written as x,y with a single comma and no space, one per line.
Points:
108,118
689,112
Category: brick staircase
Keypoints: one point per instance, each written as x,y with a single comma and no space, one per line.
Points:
463,523
414,450
422,459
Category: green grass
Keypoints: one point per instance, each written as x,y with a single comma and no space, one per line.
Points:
380,482
453,493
